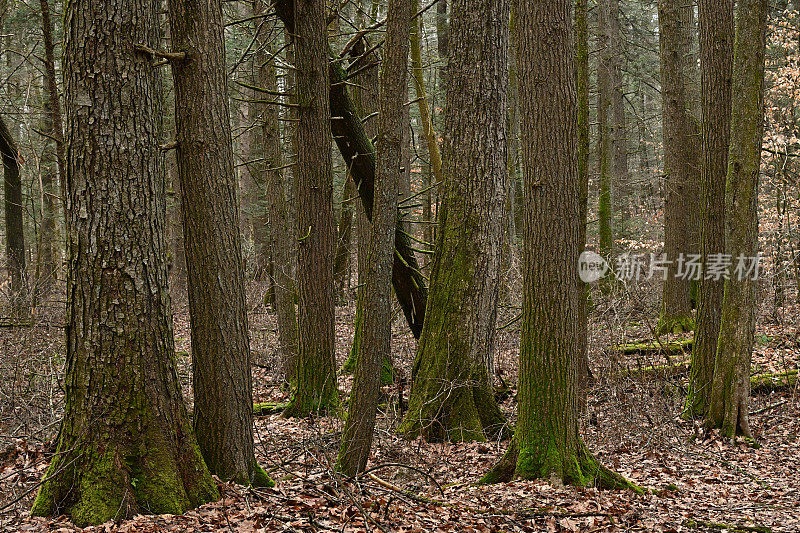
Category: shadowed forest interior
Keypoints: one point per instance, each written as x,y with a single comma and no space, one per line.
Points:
400,265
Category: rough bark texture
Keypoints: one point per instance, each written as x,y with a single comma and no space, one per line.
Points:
375,344
15,229
716,57
315,371
452,396
280,224
344,236
125,445
546,442
582,69
681,157
358,152
223,418
730,396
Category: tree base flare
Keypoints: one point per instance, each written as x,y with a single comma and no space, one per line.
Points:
582,470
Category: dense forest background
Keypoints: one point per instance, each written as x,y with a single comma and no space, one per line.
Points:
639,340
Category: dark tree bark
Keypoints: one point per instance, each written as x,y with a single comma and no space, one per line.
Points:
217,309
582,70
277,206
730,393
358,152
716,58
345,232
125,445
315,371
681,158
452,396
375,344
546,442
608,11
15,229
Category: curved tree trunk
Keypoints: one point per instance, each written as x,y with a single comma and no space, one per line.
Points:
546,442
452,396
125,445
223,418
681,158
716,57
730,394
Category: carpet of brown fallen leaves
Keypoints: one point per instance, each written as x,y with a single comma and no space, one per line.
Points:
633,426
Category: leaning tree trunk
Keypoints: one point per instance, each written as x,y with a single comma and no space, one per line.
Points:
546,441
223,418
716,57
375,345
681,158
730,394
452,396
315,371
15,229
126,444
359,154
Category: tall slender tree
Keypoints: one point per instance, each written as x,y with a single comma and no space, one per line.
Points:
716,58
546,442
315,371
223,405
730,394
681,158
125,445
375,344
452,395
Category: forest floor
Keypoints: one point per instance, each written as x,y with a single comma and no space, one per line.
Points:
699,482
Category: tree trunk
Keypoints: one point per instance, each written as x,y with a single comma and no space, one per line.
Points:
277,207
605,89
359,153
375,345
316,366
51,258
716,57
618,125
125,445
681,158
546,442
223,418
730,396
452,396
15,229
344,236
582,69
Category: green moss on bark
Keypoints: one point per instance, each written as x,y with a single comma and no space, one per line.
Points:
674,324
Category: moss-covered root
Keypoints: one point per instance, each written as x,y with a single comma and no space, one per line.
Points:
261,479
582,470
93,488
674,324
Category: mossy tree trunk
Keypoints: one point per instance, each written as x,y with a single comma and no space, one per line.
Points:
277,206
126,444
730,394
681,158
716,57
223,404
15,228
546,441
375,344
315,371
605,120
344,236
452,396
